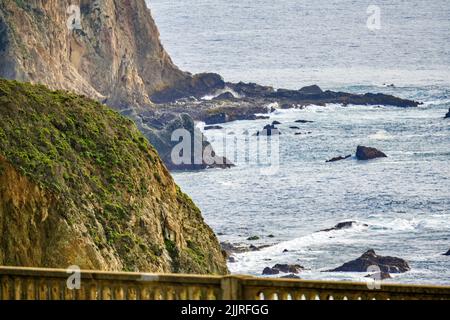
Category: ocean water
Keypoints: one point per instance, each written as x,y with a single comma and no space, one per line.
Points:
404,199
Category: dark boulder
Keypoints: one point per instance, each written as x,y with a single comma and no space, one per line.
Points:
270,271
314,89
370,258
283,268
289,268
225,96
216,118
447,254
339,158
274,123
448,114
367,153
269,130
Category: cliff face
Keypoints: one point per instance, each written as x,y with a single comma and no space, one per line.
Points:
115,56
80,185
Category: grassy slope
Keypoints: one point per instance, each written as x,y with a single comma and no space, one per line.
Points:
90,156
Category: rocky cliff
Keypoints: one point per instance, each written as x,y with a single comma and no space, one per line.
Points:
109,50
80,185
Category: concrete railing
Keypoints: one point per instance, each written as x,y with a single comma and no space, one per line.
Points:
52,284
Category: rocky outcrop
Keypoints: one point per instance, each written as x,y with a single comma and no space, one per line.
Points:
80,185
367,153
197,86
283,268
201,154
370,258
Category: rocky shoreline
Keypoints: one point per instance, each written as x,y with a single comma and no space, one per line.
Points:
208,98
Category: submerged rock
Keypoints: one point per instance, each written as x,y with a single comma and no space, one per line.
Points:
339,158
342,225
290,276
213,128
379,276
370,258
303,121
367,153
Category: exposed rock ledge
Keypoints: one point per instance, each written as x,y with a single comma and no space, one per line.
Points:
242,101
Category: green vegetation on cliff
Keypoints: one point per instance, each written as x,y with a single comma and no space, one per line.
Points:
109,192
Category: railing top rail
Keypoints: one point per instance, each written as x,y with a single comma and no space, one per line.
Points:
108,275
341,285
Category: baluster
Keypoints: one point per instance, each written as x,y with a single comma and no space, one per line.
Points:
145,293
6,289
285,295
211,294
132,293
119,293
30,289
55,293
182,293
43,290
18,289
157,294
106,292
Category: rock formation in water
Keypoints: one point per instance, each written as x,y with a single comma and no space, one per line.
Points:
448,114
369,259
368,153
80,185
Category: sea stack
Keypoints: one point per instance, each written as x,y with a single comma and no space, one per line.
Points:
367,153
